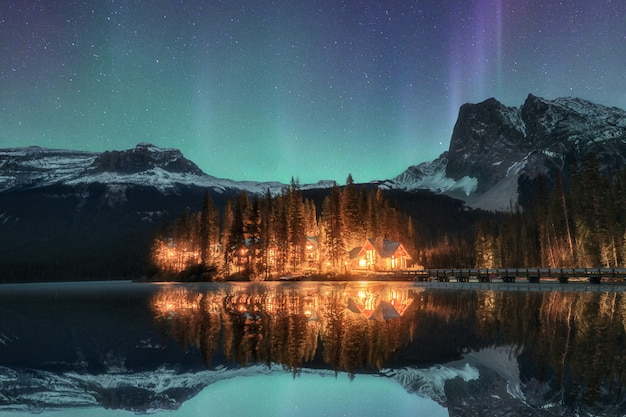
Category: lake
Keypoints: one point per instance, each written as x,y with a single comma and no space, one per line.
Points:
312,349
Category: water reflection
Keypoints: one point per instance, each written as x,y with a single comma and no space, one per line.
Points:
349,328
569,347
475,351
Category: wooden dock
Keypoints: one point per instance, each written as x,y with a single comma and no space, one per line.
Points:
510,275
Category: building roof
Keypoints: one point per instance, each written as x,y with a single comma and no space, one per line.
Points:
385,248
356,252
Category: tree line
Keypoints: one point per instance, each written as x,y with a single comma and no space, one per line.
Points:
264,236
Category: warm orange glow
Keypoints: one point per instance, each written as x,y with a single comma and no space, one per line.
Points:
175,302
172,257
365,299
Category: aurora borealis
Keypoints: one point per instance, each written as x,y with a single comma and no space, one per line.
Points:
310,89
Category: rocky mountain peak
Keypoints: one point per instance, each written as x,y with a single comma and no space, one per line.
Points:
486,140
497,147
144,157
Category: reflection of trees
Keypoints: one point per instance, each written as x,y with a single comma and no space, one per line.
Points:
272,324
574,341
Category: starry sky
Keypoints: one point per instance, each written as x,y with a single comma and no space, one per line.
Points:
315,89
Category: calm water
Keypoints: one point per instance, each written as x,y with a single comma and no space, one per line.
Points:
311,349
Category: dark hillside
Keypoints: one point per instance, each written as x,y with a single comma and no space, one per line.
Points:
89,232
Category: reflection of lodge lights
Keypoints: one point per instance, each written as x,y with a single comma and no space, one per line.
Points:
309,247
364,300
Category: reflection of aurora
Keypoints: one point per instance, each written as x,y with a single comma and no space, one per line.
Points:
358,325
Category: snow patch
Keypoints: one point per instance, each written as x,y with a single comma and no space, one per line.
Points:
432,176
268,391
503,361
4,339
430,383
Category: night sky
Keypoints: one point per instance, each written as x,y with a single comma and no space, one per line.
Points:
267,90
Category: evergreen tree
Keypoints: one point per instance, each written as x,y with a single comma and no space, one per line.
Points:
266,238
227,224
208,232
353,224
281,233
297,227
237,236
334,228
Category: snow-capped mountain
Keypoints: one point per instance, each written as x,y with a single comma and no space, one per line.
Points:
144,165
432,176
493,146
61,210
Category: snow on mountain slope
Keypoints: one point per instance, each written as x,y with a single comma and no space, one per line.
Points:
431,176
32,166
493,146
144,165
166,389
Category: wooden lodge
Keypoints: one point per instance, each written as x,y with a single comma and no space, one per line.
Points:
379,255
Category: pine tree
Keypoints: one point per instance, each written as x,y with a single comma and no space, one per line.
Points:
227,225
310,215
297,228
280,222
353,225
266,242
591,225
208,226
334,228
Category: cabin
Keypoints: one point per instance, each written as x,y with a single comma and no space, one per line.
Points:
244,253
379,255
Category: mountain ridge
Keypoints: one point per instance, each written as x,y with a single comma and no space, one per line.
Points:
495,147
144,165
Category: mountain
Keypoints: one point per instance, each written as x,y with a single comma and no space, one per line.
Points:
67,214
494,148
145,165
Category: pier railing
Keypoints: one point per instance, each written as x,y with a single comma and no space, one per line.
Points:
534,275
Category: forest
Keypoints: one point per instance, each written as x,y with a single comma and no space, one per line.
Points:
576,218
264,237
